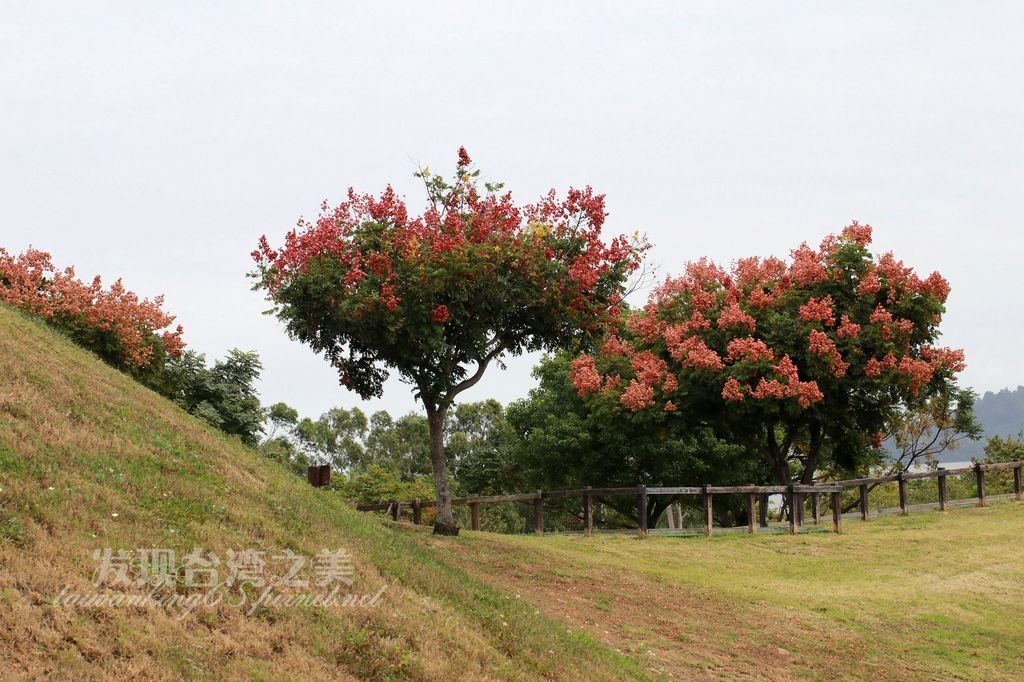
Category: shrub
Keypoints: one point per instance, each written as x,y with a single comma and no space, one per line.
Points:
130,333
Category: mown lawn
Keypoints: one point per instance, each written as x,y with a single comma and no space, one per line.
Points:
936,595
88,460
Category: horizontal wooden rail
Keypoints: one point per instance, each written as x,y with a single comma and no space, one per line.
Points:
757,498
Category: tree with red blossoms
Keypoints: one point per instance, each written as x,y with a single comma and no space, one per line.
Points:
805,362
440,296
129,333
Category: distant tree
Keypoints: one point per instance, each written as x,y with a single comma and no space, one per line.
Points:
479,441
335,438
999,449
439,297
284,451
377,483
805,363
923,432
224,395
281,417
399,445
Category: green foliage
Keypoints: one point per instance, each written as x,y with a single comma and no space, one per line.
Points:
335,438
479,442
564,441
223,395
282,450
377,483
999,449
402,445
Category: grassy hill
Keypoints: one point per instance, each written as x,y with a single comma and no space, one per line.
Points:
90,460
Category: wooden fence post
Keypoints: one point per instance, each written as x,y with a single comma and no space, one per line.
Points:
641,505
1017,484
903,494
942,489
709,518
474,515
816,508
794,523
538,514
588,514
417,512
837,513
863,501
394,509
799,509
751,513
979,473
762,510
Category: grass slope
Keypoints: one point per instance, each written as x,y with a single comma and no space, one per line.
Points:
932,596
88,459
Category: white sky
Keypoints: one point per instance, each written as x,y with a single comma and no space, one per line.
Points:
158,141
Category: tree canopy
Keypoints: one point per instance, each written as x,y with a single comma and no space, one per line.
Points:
439,296
804,362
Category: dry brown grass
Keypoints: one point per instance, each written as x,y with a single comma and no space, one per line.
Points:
80,443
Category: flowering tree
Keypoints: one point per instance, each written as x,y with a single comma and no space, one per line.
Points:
805,361
440,296
129,333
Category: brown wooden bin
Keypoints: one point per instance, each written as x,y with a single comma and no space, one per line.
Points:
319,475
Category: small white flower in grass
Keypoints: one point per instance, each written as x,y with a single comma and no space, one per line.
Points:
114,514
50,488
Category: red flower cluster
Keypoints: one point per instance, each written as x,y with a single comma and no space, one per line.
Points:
389,256
584,375
818,310
728,323
821,344
31,283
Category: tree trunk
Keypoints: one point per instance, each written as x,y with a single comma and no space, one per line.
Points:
444,524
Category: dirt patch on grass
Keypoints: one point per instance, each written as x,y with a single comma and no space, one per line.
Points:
677,631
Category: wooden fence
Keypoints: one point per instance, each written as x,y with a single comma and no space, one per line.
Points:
756,497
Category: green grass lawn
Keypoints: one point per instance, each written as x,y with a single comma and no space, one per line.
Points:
935,595
88,460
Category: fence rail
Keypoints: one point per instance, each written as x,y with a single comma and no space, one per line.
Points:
757,498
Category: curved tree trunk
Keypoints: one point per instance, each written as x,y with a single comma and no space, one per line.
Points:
444,524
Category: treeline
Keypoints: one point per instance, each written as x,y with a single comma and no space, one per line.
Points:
585,424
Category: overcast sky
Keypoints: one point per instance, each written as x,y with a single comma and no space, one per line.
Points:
158,141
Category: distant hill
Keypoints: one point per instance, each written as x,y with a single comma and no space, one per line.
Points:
1000,414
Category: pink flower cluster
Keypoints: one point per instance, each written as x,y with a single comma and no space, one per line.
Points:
821,344
584,375
847,329
787,385
31,283
818,310
464,224
638,395
749,349
735,323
